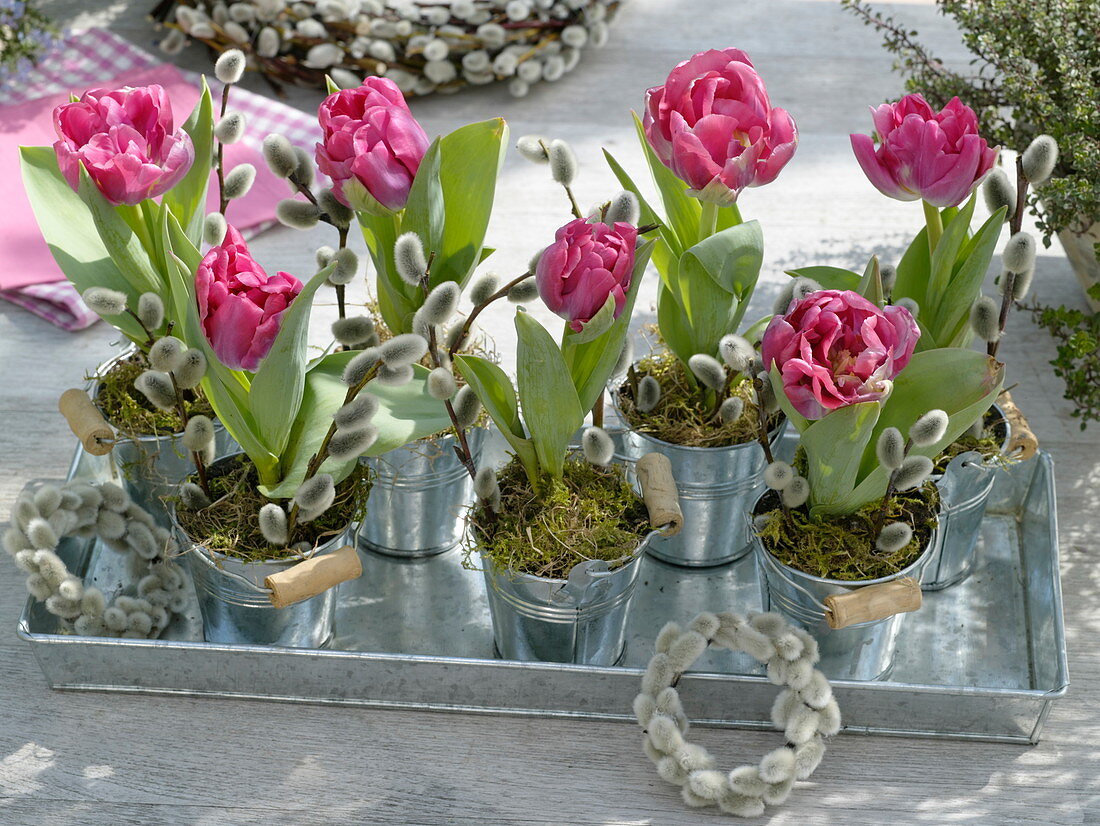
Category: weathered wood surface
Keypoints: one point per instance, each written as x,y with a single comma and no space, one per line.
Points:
108,759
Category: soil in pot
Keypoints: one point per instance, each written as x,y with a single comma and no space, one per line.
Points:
844,547
593,513
679,417
989,444
230,525
130,412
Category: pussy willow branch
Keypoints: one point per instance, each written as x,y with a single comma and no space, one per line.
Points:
568,190
762,437
342,232
479,308
222,200
880,519
1015,223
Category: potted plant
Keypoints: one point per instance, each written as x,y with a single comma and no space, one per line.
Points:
708,133
101,194
416,201
857,510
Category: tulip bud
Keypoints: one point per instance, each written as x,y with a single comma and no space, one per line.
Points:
157,388
1019,253
929,428
486,484
403,350
524,291
192,497
191,369
352,330
985,319
483,288
563,163
467,406
624,206
893,537
778,475
890,448
441,303
731,410
708,370
395,376
358,368
533,148
796,493
357,413
230,128
888,274
408,255
336,211
214,228
280,156
350,444
597,446
273,526
649,394
229,67
104,301
626,358
314,497
909,304
737,353
166,354
150,310
441,384
347,265
297,214
1039,159
998,191
912,473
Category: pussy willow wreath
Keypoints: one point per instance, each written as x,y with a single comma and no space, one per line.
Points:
42,518
422,47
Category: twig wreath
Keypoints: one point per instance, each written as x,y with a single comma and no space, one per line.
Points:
42,518
805,711
422,47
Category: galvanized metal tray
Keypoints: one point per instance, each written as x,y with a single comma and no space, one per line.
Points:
982,660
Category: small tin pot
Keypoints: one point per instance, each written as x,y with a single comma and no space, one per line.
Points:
236,607
151,467
864,651
718,486
419,497
579,620
964,490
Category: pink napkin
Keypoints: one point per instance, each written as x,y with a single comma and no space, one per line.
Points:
24,257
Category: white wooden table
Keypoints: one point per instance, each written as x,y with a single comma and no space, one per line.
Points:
109,759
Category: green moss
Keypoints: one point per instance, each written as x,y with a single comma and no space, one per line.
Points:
844,547
680,417
592,514
231,527
989,444
131,413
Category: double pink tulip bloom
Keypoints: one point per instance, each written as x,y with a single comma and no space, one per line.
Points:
713,125
241,306
585,264
126,140
835,348
371,147
937,156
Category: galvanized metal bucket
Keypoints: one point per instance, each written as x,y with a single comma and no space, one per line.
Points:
580,620
864,651
718,486
151,467
419,497
236,607
964,490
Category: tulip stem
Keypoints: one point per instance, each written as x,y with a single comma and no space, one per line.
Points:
708,220
934,221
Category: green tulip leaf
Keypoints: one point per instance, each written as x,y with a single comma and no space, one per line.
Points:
952,313
187,199
870,285
495,391
830,278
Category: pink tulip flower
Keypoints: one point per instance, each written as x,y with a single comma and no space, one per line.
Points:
372,146
713,125
937,156
240,306
586,263
835,348
125,139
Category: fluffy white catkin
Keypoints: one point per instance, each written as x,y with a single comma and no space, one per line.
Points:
1039,159
441,384
533,148
104,301
350,444
230,129
649,394
912,473
597,446
985,319
929,428
150,310
778,475
890,448
524,291
441,303
279,155
214,228
191,369
623,209
360,366
403,350
563,163
708,370
467,406
737,353
893,537
239,181
166,354
358,412
483,288
297,214
409,258
230,65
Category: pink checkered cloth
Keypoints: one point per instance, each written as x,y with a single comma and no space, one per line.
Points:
92,57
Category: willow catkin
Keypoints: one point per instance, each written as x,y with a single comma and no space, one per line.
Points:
192,497
198,435
483,288
533,148
563,163
230,128
339,214
297,214
1019,252
912,473
395,376
597,446
150,310
314,496
910,305
929,428
736,352
360,366
624,207
890,448
441,303
649,394
238,182
1039,159
403,350
191,369
998,192
353,330
486,483
358,412
893,537
230,65
104,301
708,370
467,406
524,291
441,384
157,388
888,275
279,154
731,410
304,173
985,319
409,258
350,444
347,265
626,358
796,493
778,475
